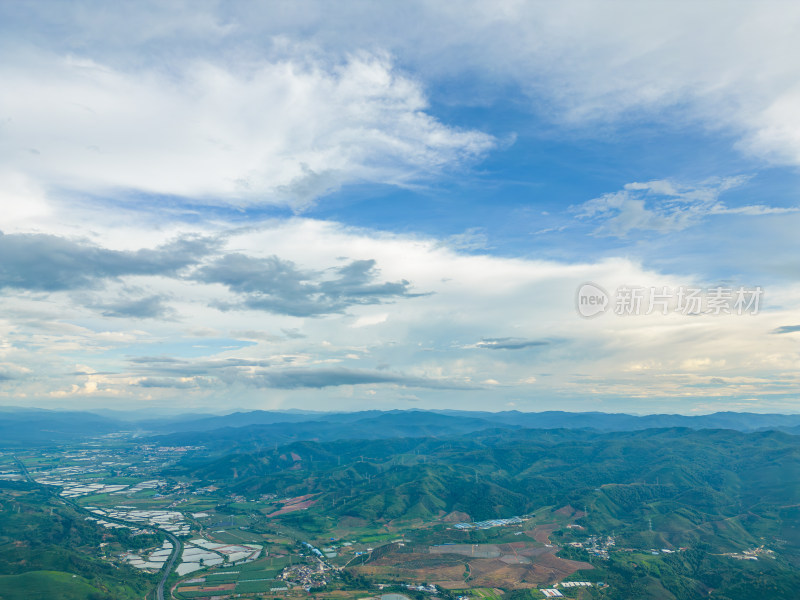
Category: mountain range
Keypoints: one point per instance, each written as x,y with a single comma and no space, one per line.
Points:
42,427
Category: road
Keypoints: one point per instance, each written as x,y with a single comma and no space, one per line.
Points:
176,544
23,469
176,548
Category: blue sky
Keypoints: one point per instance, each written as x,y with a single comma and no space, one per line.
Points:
217,206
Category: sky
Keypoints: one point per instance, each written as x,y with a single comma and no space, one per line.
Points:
216,206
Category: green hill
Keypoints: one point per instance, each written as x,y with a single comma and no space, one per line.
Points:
684,480
46,585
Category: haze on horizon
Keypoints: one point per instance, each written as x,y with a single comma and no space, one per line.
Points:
296,205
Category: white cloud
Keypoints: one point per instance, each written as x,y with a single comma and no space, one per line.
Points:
280,132
727,66
367,320
22,199
665,206
421,340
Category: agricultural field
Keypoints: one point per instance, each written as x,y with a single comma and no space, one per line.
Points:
236,536
255,577
521,564
520,556
484,593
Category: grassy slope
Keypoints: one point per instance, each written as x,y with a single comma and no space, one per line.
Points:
46,585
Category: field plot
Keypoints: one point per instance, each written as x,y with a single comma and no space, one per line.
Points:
202,589
472,550
294,504
236,536
270,566
168,520
487,593
153,561
251,578
522,564
200,553
251,586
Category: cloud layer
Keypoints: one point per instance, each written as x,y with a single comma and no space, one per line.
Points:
486,330
714,64
282,132
296,205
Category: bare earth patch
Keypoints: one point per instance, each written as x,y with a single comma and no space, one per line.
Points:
542,532
512,565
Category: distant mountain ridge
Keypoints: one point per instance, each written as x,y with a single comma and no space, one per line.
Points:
506,419
44,427
739,421
40,426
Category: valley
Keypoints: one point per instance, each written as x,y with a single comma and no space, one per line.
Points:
499,513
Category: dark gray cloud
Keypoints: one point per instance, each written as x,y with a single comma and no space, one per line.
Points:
278,286
151,382
331,377
176,383
786,329
228,369
150,307
49,263
146,360
9,373
254,334
161,372
508,343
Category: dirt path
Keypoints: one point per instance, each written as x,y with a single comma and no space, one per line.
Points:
542,532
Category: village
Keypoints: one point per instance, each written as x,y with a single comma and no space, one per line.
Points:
597,545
